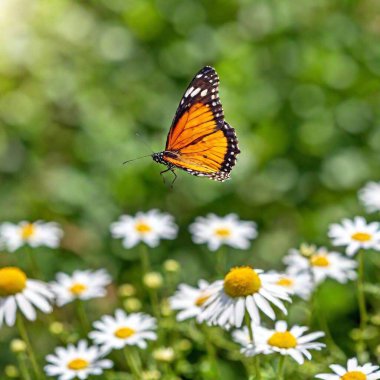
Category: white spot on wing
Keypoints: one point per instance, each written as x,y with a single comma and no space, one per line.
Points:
189,91
204,92
195,92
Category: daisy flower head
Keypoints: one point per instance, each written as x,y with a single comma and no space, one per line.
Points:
299,284
189,300
17,292
36,234
284,341
322,264
116,332
149,228
369,195
79,361
354,371
216,231
82,284
243,289
355,234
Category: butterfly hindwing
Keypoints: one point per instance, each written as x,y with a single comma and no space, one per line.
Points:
200,141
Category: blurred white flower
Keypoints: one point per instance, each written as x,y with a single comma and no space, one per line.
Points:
369,195
354,371
79,361
82,284
17,292
355,235
228,230
122,330
321,264
291,342
243,289
36,234
300,284
189,300
147,227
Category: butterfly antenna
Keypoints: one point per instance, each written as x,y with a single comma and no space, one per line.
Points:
135,159
144,141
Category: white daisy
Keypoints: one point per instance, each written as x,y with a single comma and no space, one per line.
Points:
36,234
82,285
369,195
321,264
285,342
354,371
228,230
19,292
355,234
123,329
300,284
147,227
243,289
189,300
79,361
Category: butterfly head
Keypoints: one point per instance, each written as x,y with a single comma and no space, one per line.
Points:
158,157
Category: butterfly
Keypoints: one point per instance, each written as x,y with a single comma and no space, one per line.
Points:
200,141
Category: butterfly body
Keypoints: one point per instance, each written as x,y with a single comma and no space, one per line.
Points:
200,142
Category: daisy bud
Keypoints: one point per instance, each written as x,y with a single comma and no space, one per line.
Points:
56,328
151,375
11,371
18,345
164,354
184,345
171,266
126,290
153,280
166,311
132,304
307,250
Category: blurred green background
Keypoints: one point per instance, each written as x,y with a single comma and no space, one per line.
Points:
78,79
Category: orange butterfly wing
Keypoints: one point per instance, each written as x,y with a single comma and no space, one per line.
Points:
200,141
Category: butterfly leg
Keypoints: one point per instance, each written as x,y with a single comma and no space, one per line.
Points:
174,179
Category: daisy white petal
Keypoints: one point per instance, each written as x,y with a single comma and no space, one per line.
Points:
243,289
18,293
216,231
149,228
355,234
123,329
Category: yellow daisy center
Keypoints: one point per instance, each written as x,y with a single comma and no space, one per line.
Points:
354,375
241,282
319,261
142,227
78,364
223,232
285,281
12,281
27,231
77,289
124,332
283,340
202,299
361,236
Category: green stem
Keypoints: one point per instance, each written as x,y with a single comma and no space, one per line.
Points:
221,261
144,257
361,299
256,359
280,368
210,349
82,316
32,357
130,358
21,358
34,269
